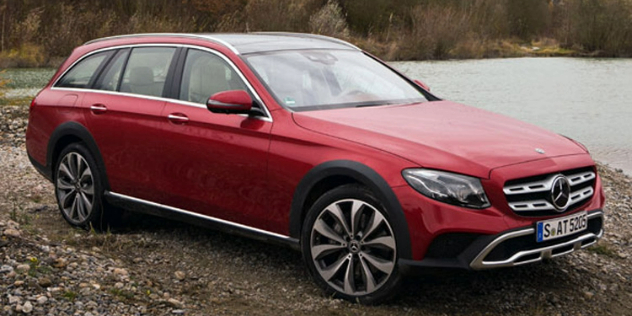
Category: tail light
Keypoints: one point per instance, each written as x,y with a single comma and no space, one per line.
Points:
33,103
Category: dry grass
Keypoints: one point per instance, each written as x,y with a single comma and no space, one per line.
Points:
34,36
3,83
329,20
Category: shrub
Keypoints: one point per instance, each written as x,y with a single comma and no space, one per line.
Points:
436,30
528,17
280,15
329,20
601,26
28,55
33,31
3,83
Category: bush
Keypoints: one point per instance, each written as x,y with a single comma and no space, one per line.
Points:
600,26
34,33
3,83
329,20
436,30
280,15
528,18
28,55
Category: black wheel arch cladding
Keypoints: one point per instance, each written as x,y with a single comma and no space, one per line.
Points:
81,132
364,175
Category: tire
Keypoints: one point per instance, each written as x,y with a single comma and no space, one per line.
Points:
79,189
356,262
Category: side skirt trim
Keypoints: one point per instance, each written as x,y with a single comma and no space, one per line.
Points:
147,207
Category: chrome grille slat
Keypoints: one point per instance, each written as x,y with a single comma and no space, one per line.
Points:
579,178
535,197
531,206
545,185
583,194
530,187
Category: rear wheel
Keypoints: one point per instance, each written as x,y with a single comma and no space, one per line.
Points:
79,188
350,247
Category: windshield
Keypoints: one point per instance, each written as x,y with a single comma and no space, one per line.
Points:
326,79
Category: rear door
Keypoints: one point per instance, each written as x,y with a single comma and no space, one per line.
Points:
124,117
216,164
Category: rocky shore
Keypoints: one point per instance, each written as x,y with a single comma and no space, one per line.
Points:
155,267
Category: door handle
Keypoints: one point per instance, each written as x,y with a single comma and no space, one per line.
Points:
98,108
178,118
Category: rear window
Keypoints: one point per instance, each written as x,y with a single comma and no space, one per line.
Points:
81,74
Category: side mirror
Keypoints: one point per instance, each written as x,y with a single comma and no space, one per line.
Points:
230,102
421,84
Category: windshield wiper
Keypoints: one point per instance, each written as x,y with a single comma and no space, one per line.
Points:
378,103
364,105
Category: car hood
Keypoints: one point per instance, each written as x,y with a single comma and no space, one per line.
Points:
441,135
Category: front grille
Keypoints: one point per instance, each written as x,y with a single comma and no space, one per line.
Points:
532,196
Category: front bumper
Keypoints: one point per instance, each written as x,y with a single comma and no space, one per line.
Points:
506,249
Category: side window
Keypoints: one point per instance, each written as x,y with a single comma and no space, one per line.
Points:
147,70
81,73
112,74
206,74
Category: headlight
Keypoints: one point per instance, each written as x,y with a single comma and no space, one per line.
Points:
448,187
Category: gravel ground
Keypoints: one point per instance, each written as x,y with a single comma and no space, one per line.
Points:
154,267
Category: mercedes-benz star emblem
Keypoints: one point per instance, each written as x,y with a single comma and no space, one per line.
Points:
539,150
354,246
561,193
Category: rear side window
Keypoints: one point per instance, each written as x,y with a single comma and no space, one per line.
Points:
146,70
112,73
83,72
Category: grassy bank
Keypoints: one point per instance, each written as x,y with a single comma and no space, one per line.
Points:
19,86
37,33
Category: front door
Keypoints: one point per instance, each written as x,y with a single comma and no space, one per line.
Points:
215,164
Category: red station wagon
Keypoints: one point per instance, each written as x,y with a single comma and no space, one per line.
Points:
308,141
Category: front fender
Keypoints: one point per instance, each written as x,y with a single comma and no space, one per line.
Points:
364,175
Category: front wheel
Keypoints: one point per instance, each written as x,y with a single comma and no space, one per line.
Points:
350,247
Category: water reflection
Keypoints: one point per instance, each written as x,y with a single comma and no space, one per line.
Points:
586,99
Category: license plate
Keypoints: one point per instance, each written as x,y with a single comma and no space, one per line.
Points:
560,227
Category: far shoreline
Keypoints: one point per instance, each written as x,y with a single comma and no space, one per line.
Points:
573,56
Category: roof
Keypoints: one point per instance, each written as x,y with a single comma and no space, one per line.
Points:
246,43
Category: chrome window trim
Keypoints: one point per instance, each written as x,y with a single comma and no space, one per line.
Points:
267,118
181,35
201,216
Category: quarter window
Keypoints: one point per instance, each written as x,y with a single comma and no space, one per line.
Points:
146,70
82,73
206,74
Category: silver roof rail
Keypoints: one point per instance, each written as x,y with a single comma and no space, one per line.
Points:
185,35
309,35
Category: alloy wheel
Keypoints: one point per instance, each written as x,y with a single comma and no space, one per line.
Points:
75,188
353,247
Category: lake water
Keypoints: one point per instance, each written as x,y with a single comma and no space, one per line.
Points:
586,99
589,100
